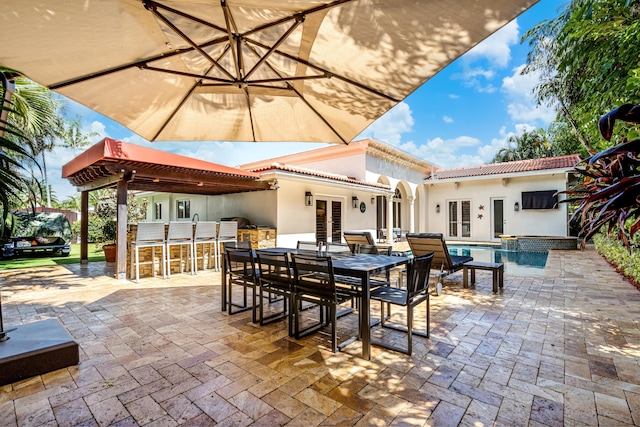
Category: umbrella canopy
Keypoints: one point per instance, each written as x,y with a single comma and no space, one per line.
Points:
243,70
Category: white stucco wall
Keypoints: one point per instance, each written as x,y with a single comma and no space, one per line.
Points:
551,222
297,221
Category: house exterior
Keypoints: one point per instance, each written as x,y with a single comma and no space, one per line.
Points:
369,185
481,203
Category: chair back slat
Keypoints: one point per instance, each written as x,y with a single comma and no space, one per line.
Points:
206,230
426,243
274,269
180,230
313,275
150,232
375,250
228,230
308,245
418,275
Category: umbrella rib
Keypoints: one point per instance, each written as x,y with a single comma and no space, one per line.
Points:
189,41
275,46
296,16
182,73
175,111
184,15
137,64
320,116
327,73
235,50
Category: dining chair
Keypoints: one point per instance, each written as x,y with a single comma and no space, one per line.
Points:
275,277
180,234
337,248
148,235
416,292
227,232
241,271
314,282
309,245
205,237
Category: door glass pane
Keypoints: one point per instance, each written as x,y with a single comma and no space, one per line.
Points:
321,220
453,219
466,218
336,221
498,218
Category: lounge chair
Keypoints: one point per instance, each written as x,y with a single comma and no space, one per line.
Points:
443,262
356,238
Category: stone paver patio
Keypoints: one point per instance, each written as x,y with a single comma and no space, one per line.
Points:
557,349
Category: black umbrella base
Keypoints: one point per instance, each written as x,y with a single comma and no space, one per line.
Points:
36,348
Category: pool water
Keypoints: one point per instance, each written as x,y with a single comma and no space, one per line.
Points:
515,262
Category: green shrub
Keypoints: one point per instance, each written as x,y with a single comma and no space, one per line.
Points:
628,263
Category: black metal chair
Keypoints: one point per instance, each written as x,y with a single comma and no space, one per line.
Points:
241,271
275,278
309,245
338,248
417,291
314,282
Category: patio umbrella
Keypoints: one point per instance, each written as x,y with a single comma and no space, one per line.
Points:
243,70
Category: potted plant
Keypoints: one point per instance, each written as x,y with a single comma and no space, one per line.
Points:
109,231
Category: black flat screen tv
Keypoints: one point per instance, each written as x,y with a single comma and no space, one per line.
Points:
539,199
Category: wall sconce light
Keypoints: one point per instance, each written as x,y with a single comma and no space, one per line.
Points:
456,184
438,208
516,206
308,198
373,200
354,202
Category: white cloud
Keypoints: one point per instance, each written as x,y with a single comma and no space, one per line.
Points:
390,127
447,119
444,153
522,105
496,48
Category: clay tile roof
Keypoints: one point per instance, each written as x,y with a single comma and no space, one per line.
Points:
560,162
276,166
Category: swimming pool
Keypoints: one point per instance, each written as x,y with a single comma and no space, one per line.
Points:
515,262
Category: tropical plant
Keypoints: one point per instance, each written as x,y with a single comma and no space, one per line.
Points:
586,59
528,145
609,194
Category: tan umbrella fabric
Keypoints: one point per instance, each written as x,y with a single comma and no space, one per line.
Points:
243,70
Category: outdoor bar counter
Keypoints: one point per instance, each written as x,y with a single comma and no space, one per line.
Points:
260,237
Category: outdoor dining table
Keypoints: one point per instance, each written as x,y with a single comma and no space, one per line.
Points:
359,266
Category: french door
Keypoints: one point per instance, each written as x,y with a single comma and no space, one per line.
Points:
497,218
459,218
328,221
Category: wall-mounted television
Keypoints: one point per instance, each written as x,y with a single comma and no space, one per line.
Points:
539,199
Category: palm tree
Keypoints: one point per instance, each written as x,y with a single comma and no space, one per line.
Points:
529,145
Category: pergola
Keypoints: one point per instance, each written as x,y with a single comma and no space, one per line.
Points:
112,163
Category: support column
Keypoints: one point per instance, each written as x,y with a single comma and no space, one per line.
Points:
411,200
390,214
84,227
121,235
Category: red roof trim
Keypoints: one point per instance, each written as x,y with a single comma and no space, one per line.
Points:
111,149
547,163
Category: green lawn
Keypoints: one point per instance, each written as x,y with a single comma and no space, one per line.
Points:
48,260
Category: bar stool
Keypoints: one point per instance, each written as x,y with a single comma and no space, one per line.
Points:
180,234
227,232
148,235
205,235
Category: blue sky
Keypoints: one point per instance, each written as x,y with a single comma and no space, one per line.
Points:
460,117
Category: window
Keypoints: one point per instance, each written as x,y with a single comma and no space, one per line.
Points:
158,211
183,209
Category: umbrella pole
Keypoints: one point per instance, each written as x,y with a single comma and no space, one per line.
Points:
7,91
